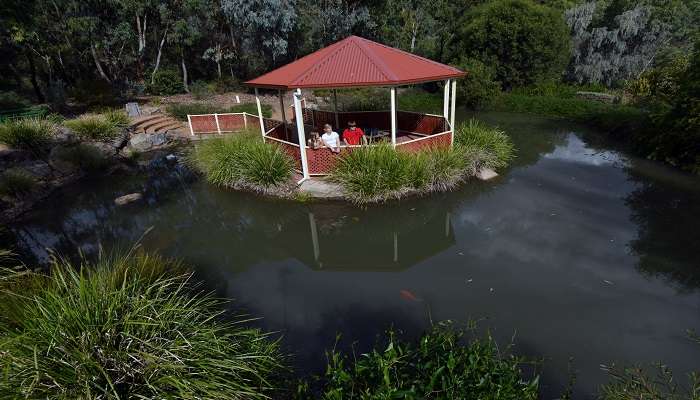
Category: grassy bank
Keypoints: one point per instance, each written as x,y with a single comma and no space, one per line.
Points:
381,173
243,161
125,327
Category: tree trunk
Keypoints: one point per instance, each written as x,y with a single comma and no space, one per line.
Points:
35,84
98,64
160,53
184,73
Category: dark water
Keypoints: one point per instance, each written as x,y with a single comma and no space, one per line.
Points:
576,251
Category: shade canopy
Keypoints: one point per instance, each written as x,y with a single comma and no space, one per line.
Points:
355,62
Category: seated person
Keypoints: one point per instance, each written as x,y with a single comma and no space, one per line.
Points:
314,141
330,138
353,135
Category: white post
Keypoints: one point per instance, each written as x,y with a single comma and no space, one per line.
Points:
393,116
335,109
189,119
218,128
260,117
446,101
453,101
245,121
299,116
284,112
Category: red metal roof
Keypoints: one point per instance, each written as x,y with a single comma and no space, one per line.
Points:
355,62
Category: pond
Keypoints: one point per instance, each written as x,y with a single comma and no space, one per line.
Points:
577,252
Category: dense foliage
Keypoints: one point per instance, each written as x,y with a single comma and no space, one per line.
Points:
526,42
244,161
126,327
441,364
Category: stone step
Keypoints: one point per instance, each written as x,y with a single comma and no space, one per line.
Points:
153,122
143,119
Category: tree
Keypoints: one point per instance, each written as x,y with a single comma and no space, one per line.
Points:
524,41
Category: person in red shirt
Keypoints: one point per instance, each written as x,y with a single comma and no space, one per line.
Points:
352,135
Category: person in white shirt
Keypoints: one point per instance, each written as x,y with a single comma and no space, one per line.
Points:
330,138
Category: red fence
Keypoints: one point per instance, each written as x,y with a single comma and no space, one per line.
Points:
218,123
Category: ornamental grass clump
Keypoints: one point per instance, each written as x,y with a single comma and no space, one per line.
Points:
93,127
442,364
27,134
489,147
243,161
16,182
131,327
379,173
374,173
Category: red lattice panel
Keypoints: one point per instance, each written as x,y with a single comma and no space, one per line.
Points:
291,150
231,122
441,140
203,124
321,161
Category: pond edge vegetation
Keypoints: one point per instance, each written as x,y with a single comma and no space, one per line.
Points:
369,174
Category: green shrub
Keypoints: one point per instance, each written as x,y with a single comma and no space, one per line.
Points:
442,364
525,41
478,89
125,327
94,127
438,169
243,160
117,118
83,156
28,134
492,146
181,110
166,82
418,100
16,182
199,90
94,92
12,101
225,84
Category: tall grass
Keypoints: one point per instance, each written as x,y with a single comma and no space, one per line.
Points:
83,156
125,327
116,117
16,182
94,127
380,173
27,134
442,364
489,146
243,161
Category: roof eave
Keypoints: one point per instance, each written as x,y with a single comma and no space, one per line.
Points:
348,85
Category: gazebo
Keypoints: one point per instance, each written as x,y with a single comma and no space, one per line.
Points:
353,62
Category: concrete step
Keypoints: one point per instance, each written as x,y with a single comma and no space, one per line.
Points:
164,126
157,121
143,119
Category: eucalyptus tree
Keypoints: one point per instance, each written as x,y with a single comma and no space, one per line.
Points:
260,30
326,21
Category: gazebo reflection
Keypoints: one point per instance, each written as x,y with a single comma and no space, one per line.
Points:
351,243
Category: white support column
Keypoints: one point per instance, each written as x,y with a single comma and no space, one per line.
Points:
189,120
260,117
452,106
280,94
446,101
299,117
245,120
393,116
216,119
335,110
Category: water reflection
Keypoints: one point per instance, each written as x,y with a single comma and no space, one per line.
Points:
583,251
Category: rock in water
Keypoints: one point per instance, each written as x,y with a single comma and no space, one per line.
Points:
128,198
141,142
486,173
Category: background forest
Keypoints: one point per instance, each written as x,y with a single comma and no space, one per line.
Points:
62,52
